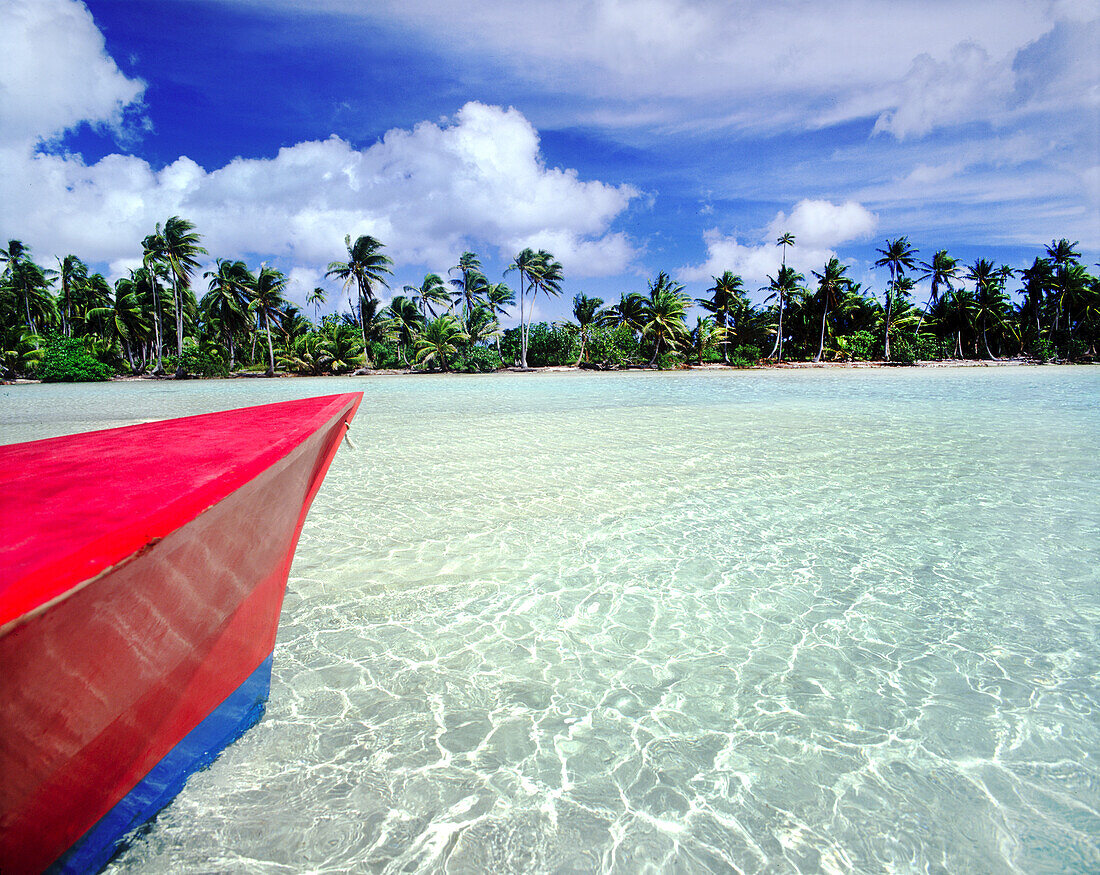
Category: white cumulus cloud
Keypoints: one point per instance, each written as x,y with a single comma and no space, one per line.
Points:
477,179
817,225
55,72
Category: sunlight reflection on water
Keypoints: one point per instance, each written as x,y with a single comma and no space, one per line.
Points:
813,621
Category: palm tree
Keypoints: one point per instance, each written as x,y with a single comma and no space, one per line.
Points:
12,255
726,293
540,272
782,286
126,318
72,272
665,315
155,270
1038,279
482,326
30,284
267,301
430,292
585,310
316,299
439,341
176,245
942,271
471,284
366,265
831,285
498,297
630,311
406,320
898,256
784,240
227,301
705,336
94,293
988,296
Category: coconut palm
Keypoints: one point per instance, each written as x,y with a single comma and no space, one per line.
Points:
155,271
267,300
430,292
831,286
498,298
406,321
782,286
630,311
1037,281
482,326
227,300
784,240
1074,288
989,298
470,285
665,315
72,272
94,293
12,255
316,299
585,311
536,270
898,256
727,293
942,270
176,245
366,266
439,341
126,319
705,336
375,324
30,287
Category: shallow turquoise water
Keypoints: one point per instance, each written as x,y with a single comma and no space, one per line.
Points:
759,622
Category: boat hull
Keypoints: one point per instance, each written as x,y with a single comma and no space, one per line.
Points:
105,693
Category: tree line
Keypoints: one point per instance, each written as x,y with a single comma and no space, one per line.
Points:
64,322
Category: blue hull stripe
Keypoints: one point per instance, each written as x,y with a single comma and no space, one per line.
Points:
198,749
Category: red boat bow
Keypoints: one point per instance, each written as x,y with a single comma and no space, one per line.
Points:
142,572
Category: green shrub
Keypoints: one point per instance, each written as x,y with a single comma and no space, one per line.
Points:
548,345
666,361
860,346
612,346
745,356
477,360
903,350
385,355
65,360
202,362
929,348
1044,350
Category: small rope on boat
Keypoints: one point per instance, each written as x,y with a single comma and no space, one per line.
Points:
347,428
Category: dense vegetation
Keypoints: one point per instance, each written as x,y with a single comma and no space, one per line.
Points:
69,324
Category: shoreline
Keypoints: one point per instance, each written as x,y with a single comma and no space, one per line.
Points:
574,369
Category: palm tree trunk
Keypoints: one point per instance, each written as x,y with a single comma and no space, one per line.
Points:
821,346
778,347
522,330
158,326
177,297
367,363
270,348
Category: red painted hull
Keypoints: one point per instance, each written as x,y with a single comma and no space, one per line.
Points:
114,649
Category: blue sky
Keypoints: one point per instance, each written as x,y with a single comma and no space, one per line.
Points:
626,136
